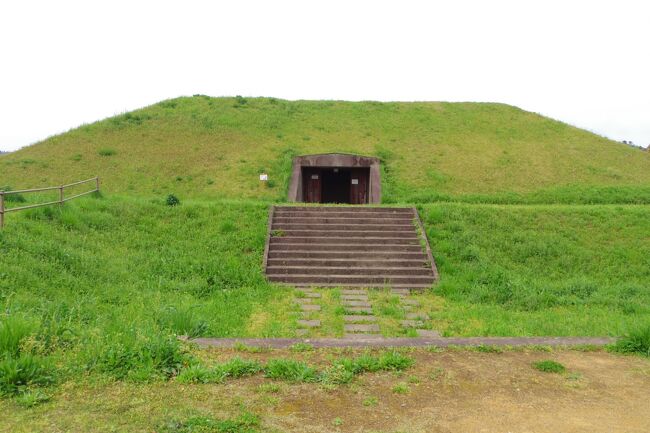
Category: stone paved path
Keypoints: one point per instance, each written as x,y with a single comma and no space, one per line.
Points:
414,319
307,310
359,317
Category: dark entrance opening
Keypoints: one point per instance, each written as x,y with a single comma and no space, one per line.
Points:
335,185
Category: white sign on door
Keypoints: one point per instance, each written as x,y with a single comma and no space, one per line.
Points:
314,176
355,181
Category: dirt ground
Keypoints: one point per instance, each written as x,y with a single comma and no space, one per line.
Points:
448,391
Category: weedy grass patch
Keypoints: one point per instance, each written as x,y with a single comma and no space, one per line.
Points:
245,423
549,366
636,341
21,367
290,370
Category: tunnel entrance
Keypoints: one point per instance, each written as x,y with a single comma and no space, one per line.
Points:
335,178
335,185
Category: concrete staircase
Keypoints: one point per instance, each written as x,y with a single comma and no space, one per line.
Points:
328,246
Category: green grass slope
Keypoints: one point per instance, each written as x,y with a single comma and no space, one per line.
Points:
216,147
100,266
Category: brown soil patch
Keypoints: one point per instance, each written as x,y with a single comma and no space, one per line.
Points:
450,391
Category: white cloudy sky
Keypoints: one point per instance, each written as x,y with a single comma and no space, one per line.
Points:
63,63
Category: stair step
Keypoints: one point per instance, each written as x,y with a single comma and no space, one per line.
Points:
347,246
365,328
370,250
359,318
291,227
342,214
355,209
409,287
348,271
345,233
345,240
347,262
367,280
319,219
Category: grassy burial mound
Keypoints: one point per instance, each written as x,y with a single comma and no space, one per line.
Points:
99,288
216,147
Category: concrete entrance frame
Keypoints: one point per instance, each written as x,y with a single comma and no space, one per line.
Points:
335,160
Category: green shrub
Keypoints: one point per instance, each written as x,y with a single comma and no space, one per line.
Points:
106,152
637,341
549,366
288,369
172,200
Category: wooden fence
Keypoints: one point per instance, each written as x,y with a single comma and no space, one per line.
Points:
62,198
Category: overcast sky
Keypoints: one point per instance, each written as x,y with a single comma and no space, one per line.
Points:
64,63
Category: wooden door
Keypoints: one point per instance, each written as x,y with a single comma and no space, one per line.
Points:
311,182
359,185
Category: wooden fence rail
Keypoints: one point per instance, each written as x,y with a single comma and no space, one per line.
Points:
62,198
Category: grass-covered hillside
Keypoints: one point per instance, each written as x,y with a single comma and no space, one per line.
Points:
216,147
548,236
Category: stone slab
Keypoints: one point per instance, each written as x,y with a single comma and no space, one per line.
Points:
412,302
354,297
361,328
412,323
428,333
310,307
354,292
417,316
359,318
364,304
359,310
302,301
308,323
400,291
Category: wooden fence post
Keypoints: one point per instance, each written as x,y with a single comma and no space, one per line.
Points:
61,195
97,183
2,209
